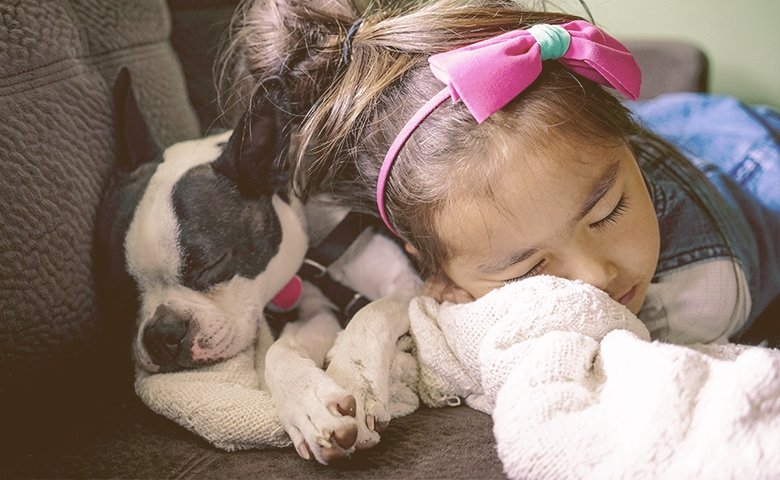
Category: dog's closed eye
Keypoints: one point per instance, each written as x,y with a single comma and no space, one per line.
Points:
214,273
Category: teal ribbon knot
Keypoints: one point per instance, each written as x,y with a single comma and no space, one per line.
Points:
553,40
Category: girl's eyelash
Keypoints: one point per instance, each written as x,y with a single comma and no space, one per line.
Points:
614,215
536,270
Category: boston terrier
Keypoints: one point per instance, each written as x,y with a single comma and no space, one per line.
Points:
206,233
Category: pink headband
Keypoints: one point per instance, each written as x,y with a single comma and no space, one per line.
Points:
488,74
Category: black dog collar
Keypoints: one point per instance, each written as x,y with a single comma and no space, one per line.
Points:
319,258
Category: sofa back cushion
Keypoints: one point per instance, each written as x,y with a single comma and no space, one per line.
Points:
58,61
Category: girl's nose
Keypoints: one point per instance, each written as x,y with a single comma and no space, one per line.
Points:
592,269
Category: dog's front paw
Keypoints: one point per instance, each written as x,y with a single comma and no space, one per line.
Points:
321,420
371,413
361,359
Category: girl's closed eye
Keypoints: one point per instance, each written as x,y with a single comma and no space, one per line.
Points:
535,270
614,215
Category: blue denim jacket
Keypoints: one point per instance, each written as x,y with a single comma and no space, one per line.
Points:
737,213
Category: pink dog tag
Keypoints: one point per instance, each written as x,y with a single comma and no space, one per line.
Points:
288,296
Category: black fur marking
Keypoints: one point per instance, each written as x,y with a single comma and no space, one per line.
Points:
253,157
116,211
135,143
137,158
221,232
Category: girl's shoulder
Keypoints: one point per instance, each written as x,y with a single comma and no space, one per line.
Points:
712,164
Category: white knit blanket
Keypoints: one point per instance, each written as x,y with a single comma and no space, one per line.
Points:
574,385
227,405
577,389
223,403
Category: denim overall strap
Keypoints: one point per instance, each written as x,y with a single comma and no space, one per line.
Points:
695,223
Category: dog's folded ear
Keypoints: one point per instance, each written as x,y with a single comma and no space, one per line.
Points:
255,155
135,144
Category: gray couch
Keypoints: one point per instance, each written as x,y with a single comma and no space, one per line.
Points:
68,409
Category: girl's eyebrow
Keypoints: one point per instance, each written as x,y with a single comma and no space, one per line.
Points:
600,188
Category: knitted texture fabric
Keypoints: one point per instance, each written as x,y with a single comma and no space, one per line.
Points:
576,388
223,403
228,406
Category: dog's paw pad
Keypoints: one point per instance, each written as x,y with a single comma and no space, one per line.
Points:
345,436
346,406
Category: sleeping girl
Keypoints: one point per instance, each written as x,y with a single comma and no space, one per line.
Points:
491,140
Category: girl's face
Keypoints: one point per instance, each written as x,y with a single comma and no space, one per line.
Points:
586,215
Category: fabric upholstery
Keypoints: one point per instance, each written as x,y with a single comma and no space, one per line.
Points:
432,443
58,60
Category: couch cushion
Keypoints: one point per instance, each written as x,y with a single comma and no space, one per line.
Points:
58,60
453,443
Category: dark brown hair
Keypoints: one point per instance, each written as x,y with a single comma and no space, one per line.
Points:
350,112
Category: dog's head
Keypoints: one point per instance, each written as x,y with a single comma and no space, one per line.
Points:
203,231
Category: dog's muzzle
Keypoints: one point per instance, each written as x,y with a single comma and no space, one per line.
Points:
166,341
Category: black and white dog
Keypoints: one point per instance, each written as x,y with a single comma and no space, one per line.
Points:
206,233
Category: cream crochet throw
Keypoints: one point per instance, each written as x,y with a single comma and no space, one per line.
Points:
228,406
223,403
576,388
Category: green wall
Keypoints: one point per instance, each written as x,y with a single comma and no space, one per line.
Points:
741,39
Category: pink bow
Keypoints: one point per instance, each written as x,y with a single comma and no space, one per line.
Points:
487,75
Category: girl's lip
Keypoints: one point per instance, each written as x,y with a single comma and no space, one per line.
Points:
626,299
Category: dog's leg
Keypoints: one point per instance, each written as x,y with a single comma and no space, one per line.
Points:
361,358
317,413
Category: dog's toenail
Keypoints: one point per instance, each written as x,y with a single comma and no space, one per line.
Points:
323,442
303,451
370,422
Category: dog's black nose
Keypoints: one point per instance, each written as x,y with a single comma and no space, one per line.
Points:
164,336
